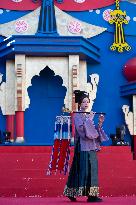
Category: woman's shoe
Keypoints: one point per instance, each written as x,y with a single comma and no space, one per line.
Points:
72,198
94,199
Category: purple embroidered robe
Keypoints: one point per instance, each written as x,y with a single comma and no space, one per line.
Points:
90,136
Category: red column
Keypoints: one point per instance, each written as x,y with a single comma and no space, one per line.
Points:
10,126
20,126
135,147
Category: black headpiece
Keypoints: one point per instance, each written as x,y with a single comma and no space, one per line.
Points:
80,95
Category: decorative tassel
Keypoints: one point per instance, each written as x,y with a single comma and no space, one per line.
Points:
60,150
118,17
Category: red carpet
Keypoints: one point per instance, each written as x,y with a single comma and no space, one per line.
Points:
23,169
61,201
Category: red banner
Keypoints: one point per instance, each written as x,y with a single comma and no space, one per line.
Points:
19,5
67,5
72,5
60,156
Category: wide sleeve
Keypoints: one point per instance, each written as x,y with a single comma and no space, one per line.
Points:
85,128
102,135
79,125
90,130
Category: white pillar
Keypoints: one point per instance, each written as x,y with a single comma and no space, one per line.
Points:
73,78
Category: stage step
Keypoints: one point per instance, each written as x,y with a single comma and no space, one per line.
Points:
23,172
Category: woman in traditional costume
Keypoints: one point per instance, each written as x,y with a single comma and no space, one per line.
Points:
83,176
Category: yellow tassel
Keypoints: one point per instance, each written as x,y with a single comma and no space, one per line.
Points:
118,17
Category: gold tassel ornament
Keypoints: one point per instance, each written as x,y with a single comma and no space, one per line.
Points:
118,17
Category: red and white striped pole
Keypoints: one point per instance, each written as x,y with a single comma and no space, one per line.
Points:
20,126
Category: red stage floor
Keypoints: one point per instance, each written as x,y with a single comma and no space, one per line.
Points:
61,201
23,173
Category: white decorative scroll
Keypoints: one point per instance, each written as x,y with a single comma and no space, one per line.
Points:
128,118
92,88
62,19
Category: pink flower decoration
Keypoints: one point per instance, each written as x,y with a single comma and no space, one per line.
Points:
21,26
74,27
106,14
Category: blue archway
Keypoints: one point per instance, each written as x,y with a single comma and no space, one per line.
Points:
46,100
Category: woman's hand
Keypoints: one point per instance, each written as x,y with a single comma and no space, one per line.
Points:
101,120
91,116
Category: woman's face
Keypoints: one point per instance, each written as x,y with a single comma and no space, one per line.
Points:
85,104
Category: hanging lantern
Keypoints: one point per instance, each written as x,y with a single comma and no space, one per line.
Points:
129,69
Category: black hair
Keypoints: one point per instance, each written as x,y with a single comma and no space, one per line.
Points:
80,95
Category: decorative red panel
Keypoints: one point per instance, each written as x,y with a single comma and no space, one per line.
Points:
67,5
